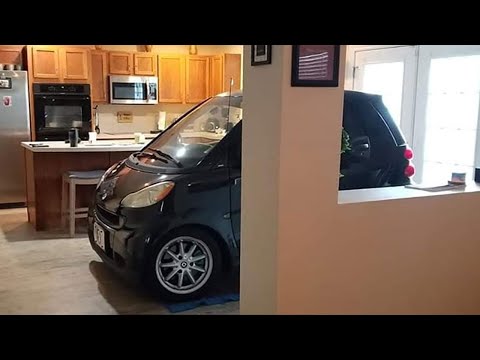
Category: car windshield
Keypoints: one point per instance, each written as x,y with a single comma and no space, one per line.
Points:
191,138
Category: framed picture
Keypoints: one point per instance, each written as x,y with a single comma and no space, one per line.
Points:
261,54
315,65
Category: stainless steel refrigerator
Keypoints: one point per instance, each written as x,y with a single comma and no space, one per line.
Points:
14,128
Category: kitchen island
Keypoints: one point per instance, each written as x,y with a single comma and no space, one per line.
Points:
45,167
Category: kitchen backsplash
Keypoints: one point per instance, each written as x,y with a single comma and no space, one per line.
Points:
144,117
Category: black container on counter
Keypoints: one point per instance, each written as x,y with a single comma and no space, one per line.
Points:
73,137
477,175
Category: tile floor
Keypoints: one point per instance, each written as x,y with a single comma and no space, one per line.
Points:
49,273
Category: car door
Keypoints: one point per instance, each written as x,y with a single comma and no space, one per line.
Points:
235,165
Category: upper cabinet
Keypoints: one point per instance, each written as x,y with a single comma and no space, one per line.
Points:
216,75
224,69
74,63
145,64
120,63
45,62
125,63
99,76
183,79
54,63
232,70
192,79
197,78
171,74
11,54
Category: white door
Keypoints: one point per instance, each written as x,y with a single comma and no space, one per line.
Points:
447,111
390,72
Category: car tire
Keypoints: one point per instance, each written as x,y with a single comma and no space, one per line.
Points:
184,265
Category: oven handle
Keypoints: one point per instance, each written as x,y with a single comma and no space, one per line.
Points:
62,97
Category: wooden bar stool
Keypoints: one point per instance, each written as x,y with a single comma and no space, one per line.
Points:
70,181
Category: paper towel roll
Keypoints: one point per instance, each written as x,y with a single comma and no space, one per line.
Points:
161,123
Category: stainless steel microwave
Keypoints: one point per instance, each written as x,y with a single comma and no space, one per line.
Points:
133,89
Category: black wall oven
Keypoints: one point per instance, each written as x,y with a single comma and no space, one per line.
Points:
60,107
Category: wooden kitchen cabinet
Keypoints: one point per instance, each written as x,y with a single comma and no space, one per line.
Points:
145,64
197,80
45,62
120,63
192,79
58,64
99,68
171,74
11,54
74,63
223,68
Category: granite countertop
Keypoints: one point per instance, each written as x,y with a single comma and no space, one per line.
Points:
84,146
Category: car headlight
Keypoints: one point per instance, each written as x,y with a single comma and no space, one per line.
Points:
148,196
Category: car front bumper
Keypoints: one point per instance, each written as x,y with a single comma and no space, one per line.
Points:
124,249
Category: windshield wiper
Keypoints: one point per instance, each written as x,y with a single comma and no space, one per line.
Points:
147,153
167,156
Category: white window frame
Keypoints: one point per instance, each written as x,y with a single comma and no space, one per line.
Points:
425,55
410,82
350,60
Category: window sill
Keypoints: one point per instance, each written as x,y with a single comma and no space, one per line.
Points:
397,193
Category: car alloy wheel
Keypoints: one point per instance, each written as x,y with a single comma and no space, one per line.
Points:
184,265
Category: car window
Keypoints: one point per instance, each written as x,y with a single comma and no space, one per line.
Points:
384,113
196,134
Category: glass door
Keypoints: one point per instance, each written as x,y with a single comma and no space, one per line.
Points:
446,122
390,72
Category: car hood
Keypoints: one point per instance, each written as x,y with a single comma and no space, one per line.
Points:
122,180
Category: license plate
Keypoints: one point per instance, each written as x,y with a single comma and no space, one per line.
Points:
99,236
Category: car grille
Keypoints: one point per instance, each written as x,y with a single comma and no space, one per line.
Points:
108,217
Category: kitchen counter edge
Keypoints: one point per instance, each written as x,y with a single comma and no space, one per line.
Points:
100,146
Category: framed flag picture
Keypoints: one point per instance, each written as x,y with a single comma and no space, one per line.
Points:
315,65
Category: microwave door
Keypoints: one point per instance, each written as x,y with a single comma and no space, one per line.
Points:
127,92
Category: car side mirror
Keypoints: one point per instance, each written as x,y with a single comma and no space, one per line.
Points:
360,147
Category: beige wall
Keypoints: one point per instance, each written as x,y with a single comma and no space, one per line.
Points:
144,117
260,144
304,253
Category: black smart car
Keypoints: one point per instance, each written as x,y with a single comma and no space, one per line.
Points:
170,214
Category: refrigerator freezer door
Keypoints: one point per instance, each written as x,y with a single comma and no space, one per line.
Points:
14,128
